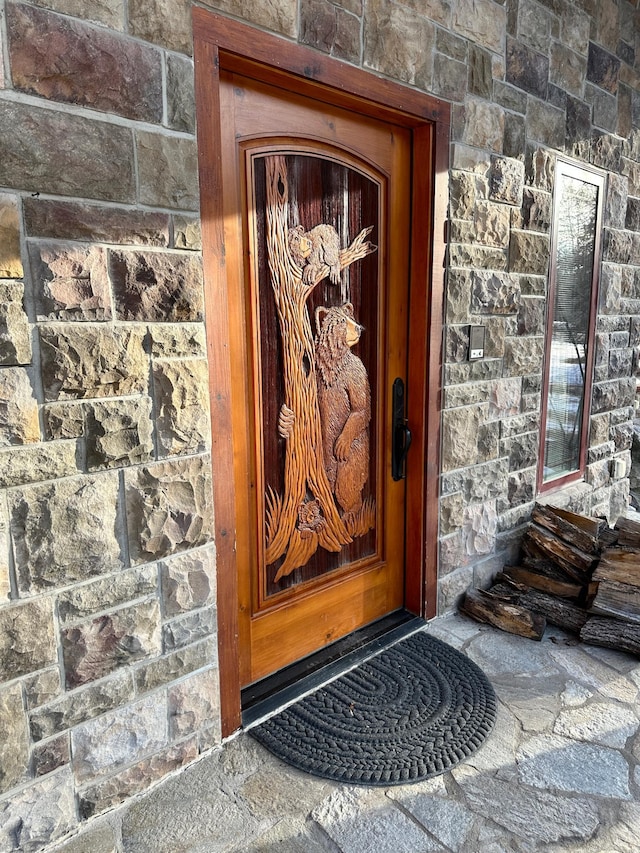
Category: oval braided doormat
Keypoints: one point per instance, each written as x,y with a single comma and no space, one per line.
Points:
413,711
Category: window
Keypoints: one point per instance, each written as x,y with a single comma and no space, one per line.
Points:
575,250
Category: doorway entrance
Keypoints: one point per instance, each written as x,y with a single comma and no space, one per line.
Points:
324,289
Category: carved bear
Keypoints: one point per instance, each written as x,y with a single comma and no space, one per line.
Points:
344,398
312,250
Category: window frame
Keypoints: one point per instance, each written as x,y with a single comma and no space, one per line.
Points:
596,177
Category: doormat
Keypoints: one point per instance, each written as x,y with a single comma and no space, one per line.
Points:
411,712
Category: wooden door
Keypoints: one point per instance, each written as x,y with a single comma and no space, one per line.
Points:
317,208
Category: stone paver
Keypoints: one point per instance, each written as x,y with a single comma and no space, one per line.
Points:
560,773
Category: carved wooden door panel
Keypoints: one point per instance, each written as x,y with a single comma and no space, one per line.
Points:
317,205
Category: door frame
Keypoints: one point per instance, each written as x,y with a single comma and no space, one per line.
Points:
223,44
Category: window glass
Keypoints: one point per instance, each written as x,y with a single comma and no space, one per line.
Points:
571,321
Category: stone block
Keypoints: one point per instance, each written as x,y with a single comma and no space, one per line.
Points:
167,170
188,581
19,422
38,815
479,528
51,755
187,233
93,649
574,28
477,257
107,12
479,483
330,29
509,97
504,398
536,210
522,450
399,43
483,125
546,123
5,575
463,194
452,587
526,69
175,665
470,160
622,435
480,21
92,361
535,26
14,744
96,160
514,135
93,56
506,180
118,433
10,260
27,641
79,539
632,218
451,45
106,794
181,107
456,343
96,839
494,293
188,629
94,223
119,737
70,282
15,338
620,363
523,355
605,151
157,286
492,224
567,69
49,461
603,68
531,316
177,340
182,405
518,424
105,593
169,507
604,108
608,396
480,73
193,704
578,124
42,687
466,438
82,705
615,211
449,78
162,22
63,420
617,246
599,429
521,487
528,252
539,168
451,513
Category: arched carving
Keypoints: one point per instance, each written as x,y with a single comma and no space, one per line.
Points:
305,516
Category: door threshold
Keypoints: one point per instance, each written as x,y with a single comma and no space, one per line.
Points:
273,693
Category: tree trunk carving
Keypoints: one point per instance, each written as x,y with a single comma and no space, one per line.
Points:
305,516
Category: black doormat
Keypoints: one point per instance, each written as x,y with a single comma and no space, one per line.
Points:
411,712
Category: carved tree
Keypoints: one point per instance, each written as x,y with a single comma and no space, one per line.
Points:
305,516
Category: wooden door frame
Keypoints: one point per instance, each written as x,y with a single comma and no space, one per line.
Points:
223,44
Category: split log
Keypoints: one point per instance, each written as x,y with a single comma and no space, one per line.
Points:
513,618
628,532
592,526
549,518
621,600
533,558
574,561
555,610
608,537
543,583
619,565
612,633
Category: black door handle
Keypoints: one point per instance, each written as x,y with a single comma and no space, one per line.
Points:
401,434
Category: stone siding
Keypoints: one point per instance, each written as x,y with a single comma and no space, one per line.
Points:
108,665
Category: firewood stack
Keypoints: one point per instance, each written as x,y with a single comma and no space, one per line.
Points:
576,573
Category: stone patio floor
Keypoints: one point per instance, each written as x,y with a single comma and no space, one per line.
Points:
560,772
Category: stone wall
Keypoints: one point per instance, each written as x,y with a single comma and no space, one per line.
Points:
108,676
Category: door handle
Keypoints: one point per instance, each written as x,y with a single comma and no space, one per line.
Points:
401,434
